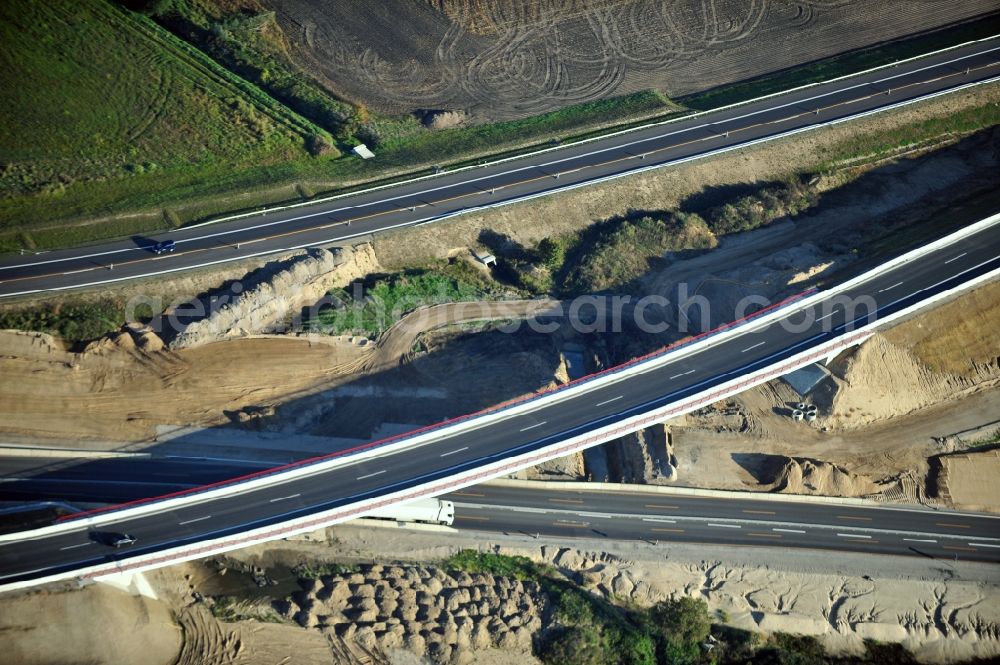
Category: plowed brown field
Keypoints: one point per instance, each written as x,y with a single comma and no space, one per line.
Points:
501,59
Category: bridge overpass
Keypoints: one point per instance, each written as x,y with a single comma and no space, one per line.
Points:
449,456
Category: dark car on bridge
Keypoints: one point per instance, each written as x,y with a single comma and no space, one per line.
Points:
113,539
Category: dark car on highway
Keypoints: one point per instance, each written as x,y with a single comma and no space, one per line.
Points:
164,246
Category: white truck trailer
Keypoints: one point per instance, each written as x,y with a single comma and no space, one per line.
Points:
427,511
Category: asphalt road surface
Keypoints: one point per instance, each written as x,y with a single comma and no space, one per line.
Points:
596,514
429,199
550,422
728,521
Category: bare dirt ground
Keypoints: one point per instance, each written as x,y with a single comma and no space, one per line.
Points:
123,388
510,59
120,393
942,611
761,589
970,480
109,626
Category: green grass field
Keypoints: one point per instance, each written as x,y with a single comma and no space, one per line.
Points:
385,300
102,108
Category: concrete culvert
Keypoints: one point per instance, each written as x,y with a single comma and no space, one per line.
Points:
797,414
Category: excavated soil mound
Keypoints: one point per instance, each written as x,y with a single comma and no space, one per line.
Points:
428,611
121,390
265,298
808,476
874,376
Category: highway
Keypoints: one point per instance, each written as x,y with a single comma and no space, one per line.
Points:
433,464
429,199
613,514
101,481
678,517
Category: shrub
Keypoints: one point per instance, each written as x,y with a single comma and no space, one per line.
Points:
311,571
613,254
574,645
574,609
788,649
550,253
503,565
319,146
682,625
72,321
388,299
172,219
760,208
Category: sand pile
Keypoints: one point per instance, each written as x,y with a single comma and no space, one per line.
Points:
809,476
446,616
882,380
266,298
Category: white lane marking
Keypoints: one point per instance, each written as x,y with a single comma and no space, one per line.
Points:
657,519
282,498
827,316
677,376
983,545
528,510
525,429
955,258
197,519
919,540
726,526
750,348
890,288
853,535
73,547
371,475
789,530
609,401
452,452
603,516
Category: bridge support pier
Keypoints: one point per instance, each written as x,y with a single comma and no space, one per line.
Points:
135,584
